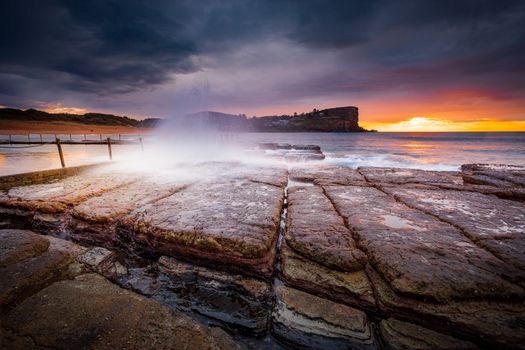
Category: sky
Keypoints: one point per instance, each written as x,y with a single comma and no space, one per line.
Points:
419,65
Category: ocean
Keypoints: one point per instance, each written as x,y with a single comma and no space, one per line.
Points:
429,151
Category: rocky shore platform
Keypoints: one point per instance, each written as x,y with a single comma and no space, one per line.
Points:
266,256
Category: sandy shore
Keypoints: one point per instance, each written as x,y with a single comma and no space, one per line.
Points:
9,127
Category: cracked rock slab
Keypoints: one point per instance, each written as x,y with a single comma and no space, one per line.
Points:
419,255
308,321
19,245
271,175
399,335
496,224
56,196
351,288
500,175
315,230
400,176
481,216
22,278
235,299
494,324
91,313
325,175
230,223
112,205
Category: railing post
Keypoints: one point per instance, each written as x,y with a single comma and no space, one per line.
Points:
41,139
109,149
28,137
60,153
9,139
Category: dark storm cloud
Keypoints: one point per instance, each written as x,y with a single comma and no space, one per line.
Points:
107,48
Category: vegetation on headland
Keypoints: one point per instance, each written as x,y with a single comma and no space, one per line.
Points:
341,119
33,115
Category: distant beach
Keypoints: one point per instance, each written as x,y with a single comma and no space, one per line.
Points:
37,127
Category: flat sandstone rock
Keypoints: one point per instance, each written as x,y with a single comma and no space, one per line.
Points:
315,230
29,267
351,288
19,245
324,175
419,255
496,324
400,176
308,321
232,223
399,335
56,196
110,206
495,224
91,313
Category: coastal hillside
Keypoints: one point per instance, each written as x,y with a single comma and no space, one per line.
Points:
340,119
99,119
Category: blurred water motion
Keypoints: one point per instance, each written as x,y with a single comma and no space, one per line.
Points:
430,151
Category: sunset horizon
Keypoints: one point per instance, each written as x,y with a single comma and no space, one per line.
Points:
458,65
262,174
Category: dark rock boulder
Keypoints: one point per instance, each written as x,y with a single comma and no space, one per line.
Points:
399,335
91,313
235,299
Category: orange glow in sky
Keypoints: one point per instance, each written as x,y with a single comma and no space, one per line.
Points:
449,110
441,111
443,125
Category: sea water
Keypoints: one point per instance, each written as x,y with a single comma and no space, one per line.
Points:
429,151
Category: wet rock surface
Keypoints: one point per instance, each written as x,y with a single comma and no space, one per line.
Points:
235,299
113,205
397,176
351,288
420,255
291,153
316,231
231,222
324,175
315,323
399,335
497,225
58,195
310,256
91,313
494,174
20,245
490,323
28,265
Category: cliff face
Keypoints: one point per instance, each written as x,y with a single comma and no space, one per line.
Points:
340,119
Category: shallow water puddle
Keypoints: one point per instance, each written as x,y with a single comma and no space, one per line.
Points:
397,222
